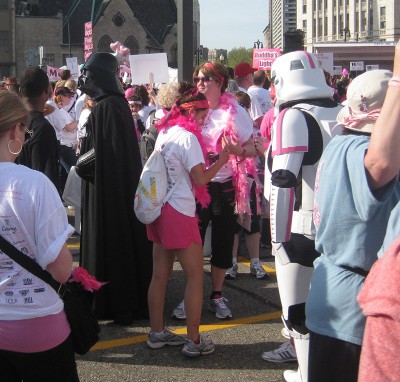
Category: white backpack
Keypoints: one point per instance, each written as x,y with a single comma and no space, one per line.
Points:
151,193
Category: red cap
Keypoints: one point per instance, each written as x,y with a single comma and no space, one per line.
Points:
243,69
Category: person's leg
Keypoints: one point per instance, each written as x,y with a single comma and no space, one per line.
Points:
162,266
191,260
57,364
332,360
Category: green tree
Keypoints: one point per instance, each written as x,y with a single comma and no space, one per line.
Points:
238,55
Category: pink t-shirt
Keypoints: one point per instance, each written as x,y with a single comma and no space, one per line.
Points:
266,126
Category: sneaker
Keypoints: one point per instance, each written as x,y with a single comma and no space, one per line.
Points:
204,347
156,341
179,311
218,306
285,333
285,353
231,273
291,376
258,271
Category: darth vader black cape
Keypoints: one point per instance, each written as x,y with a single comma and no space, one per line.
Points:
114,245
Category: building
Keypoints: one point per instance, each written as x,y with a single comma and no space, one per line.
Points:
353,30
58,25
283,18
217,55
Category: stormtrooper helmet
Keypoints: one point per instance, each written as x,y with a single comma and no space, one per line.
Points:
298,76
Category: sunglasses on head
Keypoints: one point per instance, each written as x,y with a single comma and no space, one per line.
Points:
204,79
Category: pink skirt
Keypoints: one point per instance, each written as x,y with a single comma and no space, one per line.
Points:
174,230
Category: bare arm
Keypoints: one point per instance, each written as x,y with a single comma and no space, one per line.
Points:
71,126
201,176
382,161
61,268
247,149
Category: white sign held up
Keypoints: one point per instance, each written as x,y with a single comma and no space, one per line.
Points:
149,68
357,66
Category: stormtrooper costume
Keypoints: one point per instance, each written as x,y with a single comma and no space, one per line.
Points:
302,129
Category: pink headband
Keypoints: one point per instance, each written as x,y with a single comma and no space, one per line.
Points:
211,66
195,104
135,102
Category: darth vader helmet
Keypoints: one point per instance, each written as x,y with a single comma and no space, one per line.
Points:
100,74
298,76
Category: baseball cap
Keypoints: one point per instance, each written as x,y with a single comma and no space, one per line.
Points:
64,91
365,95
243,69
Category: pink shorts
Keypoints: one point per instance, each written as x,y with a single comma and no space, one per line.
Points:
174,230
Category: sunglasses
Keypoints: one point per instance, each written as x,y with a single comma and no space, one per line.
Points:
205,79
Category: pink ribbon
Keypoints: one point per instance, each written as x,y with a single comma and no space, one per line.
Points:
353,120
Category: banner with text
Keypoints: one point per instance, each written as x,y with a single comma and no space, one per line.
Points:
88,45
53,73
326,61
263,58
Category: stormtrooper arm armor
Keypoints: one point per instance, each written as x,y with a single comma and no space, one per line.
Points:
289,143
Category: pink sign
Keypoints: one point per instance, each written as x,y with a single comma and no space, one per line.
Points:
87,54
53,73
264,57
88,43
88,29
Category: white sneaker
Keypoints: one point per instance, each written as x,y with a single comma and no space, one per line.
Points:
231,273
285,333
258,271
218,306
179,311
291,376
284,353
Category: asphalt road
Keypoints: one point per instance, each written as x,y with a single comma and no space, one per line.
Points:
122,354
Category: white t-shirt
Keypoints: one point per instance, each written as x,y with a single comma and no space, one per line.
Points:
213,130
82,123
33,219
59,118
79,104
262,95
180,156
144,112
255,107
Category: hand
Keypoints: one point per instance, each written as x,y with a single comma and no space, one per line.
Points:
259,145
232,146
224,155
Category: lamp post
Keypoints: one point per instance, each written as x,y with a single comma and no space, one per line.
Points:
222,58
258,44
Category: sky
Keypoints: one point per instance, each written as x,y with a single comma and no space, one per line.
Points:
228,24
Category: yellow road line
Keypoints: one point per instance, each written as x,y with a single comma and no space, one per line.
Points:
203,328
245,261
73,245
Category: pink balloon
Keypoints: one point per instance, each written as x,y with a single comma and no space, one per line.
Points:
115,46
124,51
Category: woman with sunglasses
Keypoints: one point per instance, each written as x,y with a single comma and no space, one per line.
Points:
227,124
34,331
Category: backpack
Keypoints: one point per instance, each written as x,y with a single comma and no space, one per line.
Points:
148,139
151,193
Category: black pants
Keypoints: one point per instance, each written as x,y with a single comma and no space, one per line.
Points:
57,364
332,360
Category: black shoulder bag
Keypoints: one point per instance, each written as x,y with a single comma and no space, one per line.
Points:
78,302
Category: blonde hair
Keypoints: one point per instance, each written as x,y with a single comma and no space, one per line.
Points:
12,111
70,84
167,94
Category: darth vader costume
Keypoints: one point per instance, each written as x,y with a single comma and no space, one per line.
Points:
114,245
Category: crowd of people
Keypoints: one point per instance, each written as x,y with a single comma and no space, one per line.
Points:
291,162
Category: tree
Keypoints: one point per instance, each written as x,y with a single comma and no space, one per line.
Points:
238,55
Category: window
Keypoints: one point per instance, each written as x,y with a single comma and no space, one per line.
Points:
104,44
382,18
118,20
4,40
132,44
49,59
3,4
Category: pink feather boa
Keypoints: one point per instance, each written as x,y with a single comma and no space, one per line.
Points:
241,168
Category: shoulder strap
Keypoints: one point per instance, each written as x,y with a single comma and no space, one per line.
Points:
170,192
30,265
